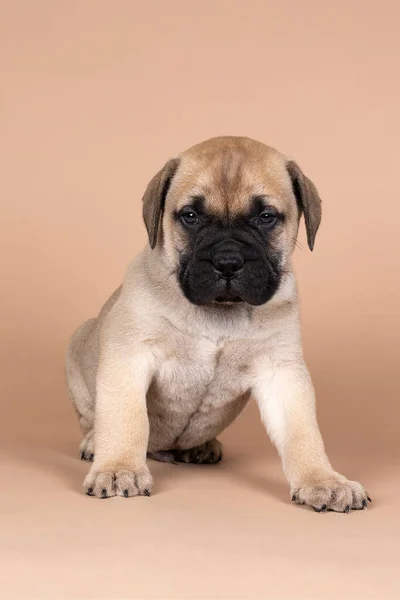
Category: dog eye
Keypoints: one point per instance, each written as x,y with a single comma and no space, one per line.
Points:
190,217
267,218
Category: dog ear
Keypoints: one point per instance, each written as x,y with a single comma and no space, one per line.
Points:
154,199
308,200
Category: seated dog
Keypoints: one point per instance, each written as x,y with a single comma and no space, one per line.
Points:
206,317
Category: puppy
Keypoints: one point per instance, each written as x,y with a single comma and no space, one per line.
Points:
206,317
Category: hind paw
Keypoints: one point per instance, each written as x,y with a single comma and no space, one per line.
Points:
87,447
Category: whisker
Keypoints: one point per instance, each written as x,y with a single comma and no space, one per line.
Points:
173,272
287,274
297,243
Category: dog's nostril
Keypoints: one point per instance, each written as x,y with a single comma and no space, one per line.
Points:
228,264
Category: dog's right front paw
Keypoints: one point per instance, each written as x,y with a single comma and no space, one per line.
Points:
110,481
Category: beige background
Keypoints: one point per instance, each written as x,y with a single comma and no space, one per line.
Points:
95,96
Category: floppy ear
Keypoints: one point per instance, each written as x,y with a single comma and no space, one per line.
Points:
308,200
154,199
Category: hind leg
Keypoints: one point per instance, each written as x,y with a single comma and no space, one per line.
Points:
86,447
208,453
81,388
86,421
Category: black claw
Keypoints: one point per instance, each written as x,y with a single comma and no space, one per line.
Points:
323,508
147,492
347,509
89,491
91,457
364,503
212,457
317,509
126,493
369,499
294,497
82,456
104,493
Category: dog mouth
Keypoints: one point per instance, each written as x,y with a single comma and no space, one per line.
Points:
203,285
227,298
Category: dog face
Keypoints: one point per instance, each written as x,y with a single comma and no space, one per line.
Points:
230,209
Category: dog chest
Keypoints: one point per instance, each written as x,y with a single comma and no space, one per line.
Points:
193,389
186,370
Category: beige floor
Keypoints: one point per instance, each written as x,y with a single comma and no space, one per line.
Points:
225,531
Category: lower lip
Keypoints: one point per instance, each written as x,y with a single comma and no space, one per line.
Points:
221,299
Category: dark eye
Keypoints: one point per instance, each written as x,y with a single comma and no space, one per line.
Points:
267,218
190,217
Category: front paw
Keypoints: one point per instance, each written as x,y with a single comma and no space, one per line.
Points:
333,492
106,482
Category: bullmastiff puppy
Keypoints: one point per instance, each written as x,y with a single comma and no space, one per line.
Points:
206,317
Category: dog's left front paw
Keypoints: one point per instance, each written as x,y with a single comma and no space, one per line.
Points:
333,492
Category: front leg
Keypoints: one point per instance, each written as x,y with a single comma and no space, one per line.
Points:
121,426
285,396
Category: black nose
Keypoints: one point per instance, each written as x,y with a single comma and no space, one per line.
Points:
227,260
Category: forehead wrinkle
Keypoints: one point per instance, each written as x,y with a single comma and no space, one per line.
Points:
229,183
229,178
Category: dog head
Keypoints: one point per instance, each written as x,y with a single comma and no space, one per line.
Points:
225,215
